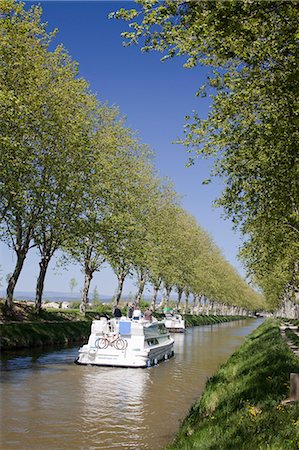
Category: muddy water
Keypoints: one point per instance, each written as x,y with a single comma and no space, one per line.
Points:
47,402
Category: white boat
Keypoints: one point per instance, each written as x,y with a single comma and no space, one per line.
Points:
126,343
174,323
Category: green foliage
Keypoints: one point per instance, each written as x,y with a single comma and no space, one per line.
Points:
46,117
241,403
252,127
76,305
193,320
63,183
104,309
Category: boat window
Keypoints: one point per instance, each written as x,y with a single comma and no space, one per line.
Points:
152,341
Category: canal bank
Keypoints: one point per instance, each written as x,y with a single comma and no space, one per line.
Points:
15,336
56,327
242,404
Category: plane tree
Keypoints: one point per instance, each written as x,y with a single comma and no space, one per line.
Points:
64,163
95,234
20,202
251,53
44,125
45,128
130,200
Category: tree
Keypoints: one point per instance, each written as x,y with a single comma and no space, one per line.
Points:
95,296
251,130
73,283
107,228
126,245
45,132
22,51
64,162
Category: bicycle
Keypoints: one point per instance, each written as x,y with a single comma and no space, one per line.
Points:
111,340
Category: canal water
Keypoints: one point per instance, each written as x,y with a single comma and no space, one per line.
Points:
48,402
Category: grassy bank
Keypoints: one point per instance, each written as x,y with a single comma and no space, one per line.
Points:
192,320
25,335
241,405
23,328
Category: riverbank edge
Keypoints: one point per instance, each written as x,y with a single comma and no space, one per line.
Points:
19,335
15,336
242,404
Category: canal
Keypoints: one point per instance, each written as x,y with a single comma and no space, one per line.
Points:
47,402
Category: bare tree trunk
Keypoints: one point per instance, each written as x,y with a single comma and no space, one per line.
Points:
44,263
21,247
178,303
194,300
87,281
142,281
187,293
21,255
168,291
121,276
195,304
155,294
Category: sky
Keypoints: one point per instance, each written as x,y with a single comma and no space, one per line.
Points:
155,97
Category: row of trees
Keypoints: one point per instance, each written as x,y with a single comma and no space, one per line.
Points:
74,178
252,127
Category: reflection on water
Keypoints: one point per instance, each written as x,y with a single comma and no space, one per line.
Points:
50,403
113,398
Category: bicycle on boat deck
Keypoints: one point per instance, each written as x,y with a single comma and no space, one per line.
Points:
111,340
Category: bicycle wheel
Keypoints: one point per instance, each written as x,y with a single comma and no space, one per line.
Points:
120,344
101,343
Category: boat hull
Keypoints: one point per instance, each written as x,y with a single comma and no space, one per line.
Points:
125,358
174,324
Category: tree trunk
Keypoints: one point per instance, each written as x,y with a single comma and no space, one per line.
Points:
187,293
21,246
194,300
178,303
21,255
195,304
87,281
168,291
155,294
142,280
121,276
44,263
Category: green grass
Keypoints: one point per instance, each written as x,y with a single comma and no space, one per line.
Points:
192,320
23,327
21,335
241,404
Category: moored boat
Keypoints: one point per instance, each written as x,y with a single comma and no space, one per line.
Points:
126,343
174,323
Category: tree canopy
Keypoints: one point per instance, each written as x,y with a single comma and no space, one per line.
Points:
74,178
251,130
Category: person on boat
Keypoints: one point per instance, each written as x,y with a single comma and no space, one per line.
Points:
148,315
130,311
117,312
136,313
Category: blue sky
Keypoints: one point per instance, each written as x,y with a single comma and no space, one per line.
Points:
155,97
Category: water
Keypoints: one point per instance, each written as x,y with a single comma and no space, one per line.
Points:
47,402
